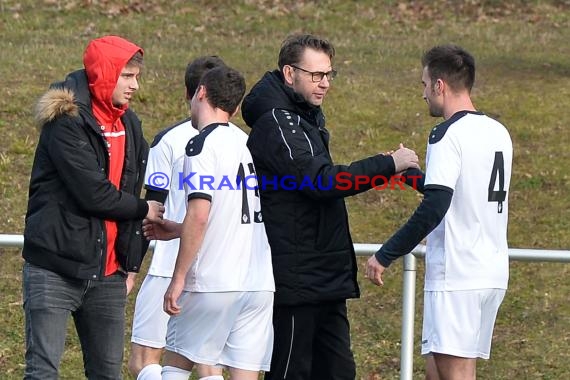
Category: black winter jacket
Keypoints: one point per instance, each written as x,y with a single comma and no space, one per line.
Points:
301,198
70,195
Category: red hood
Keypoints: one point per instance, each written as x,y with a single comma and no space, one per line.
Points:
104,59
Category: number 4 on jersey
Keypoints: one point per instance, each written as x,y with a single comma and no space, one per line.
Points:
499,195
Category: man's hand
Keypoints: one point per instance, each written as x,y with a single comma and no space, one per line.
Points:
374,271
166,230
171,296
131,281
155,211
405,158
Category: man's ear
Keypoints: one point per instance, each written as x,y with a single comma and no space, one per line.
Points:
288,75
235,112
439,86
201,92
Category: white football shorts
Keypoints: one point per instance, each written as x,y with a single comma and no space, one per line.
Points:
460,323
149,319
233,329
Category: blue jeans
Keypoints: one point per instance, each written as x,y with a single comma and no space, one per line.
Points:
98,310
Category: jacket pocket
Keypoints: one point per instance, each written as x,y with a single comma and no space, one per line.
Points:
65,234
331,227
129,245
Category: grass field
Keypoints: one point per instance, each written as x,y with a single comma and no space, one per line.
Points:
523,79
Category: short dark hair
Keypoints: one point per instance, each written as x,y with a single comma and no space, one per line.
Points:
136,60
225,88
197,68
451,63
294,46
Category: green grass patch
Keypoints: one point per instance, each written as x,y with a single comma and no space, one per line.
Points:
523,79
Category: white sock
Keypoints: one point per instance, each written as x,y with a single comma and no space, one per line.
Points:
150,372
216,377
174,373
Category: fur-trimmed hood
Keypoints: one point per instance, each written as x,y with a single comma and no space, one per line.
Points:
55,103
65,98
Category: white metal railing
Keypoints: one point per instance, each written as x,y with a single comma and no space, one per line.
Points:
409,285
17,241
11,241
409,291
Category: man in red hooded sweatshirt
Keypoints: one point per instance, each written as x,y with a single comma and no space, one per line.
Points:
83,224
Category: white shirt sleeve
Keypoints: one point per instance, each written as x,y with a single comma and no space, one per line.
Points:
443,162
159,166
200,174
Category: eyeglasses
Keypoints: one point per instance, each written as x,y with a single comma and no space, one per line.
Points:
317,76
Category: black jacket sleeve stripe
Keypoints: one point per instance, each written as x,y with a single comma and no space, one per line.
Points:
310,145
282,134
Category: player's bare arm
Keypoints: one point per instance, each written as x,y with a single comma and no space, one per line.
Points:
191,237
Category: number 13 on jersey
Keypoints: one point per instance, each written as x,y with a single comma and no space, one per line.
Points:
241,180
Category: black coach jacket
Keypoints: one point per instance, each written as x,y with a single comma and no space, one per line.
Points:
70,195
302,194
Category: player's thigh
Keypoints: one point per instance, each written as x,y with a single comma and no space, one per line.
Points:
431,368
142,356
241,374
455,368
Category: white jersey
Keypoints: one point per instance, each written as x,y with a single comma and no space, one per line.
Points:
164,166
235,253
471,154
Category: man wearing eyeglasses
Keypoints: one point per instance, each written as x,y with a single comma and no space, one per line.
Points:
306,221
